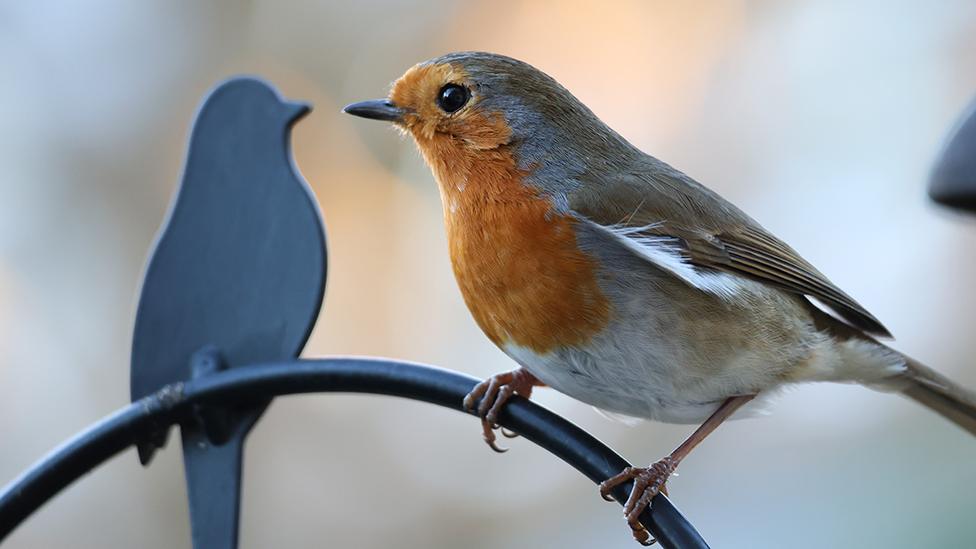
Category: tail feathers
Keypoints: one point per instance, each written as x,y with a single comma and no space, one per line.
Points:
940,394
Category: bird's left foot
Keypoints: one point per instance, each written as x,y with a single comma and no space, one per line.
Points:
494,392
648,482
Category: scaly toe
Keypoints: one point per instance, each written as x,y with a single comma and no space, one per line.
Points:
471,398
648,483
608,485
489,398
504,394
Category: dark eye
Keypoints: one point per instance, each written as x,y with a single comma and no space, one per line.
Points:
452,97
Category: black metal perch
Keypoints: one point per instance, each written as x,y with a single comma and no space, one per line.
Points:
175,403
230,295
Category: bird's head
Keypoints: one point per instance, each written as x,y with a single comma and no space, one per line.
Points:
467,103
246,110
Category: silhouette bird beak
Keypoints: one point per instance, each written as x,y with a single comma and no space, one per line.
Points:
376,109
297,109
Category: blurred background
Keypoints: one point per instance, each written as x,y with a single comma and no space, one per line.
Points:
821,119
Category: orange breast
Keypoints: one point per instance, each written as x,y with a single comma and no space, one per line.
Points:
516,261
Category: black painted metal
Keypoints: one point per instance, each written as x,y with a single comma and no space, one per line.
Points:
239,265
179,401
953,179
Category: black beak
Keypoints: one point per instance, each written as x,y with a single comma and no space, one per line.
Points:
377,109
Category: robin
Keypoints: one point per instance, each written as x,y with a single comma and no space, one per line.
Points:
618,280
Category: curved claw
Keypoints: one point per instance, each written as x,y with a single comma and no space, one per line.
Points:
489,435
644,538
508,434
495,447
641,535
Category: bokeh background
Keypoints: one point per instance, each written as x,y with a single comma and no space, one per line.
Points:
821,119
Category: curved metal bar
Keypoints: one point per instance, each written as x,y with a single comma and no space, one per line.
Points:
122,429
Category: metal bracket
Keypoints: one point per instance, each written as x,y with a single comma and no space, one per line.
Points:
213,453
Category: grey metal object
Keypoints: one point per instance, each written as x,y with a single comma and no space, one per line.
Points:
236,278
953,179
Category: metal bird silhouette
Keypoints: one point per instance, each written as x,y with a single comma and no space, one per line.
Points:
236,277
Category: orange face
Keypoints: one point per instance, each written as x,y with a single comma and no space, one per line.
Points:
419,94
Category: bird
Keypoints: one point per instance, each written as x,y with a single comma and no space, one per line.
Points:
618,280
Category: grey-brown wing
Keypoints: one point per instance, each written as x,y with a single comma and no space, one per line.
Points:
754,253
709,233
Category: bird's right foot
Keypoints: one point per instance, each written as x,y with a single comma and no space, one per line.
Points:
648,483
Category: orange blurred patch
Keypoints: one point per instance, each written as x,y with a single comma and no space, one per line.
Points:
622,61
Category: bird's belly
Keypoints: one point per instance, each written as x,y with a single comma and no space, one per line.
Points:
662,361
629,381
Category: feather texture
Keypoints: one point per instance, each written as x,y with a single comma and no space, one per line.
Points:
689,231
